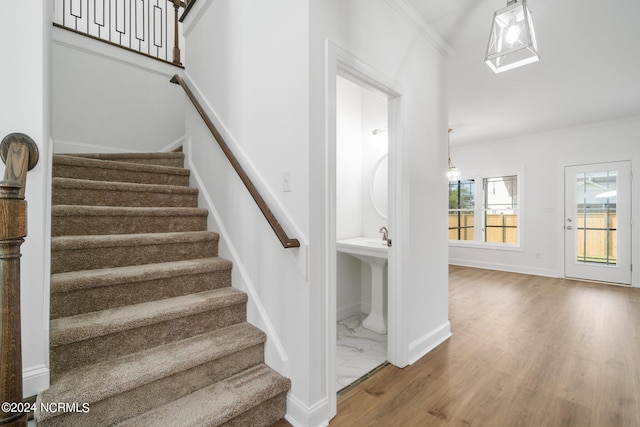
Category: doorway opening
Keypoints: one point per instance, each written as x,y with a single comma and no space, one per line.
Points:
362,230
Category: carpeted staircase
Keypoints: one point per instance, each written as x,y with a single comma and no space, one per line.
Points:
145,327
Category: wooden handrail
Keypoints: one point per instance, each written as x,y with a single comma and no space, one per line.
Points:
20,154
271,219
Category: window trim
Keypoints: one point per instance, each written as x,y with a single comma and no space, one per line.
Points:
479,210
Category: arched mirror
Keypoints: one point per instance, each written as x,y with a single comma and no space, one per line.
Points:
380,187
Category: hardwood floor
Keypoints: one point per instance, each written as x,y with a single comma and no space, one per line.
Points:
525,351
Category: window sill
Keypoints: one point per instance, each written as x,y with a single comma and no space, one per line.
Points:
484,245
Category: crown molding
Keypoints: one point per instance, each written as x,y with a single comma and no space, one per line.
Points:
411,15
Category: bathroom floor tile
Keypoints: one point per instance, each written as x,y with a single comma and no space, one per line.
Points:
359,350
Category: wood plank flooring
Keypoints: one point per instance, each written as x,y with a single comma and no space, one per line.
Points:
525,351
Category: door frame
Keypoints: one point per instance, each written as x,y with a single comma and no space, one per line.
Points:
629,182
342,63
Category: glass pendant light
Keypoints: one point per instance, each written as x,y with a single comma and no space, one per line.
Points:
512,42
453,173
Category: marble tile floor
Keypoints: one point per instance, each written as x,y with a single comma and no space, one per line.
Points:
359,350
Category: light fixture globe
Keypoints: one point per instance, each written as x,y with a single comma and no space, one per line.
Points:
453,174
512,41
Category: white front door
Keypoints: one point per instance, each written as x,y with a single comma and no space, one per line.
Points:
598,222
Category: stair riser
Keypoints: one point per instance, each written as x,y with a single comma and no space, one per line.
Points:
65,304
103,257
81,196
263,415
173,162
70,356
109,224
135,402
118,175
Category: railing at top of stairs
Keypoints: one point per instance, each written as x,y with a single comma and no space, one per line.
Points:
141,26
20,154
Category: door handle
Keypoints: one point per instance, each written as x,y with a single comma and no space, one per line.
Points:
568,227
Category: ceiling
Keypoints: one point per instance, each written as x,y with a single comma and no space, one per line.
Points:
589,68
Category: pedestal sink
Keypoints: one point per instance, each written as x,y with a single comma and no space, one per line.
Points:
374,252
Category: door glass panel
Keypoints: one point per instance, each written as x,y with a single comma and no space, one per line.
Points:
596,219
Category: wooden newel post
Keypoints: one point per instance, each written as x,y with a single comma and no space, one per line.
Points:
20,154
176,42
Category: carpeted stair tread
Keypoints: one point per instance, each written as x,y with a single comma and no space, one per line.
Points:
106,170
81,210
61,159
72,253
118,240
70,220
174,159
102,380
85,291
88,279
144,324
67,330
233,397
72,191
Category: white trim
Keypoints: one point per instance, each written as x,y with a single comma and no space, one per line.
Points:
349,310
62,146
180,142
472,244
522,269
238,265
428,342
195,14
479,211
34,380
93,47
339,62
411,15
299,255
301,415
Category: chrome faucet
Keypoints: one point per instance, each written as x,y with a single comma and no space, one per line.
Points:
385,234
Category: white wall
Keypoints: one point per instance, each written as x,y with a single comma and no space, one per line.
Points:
388,40
106,99
543,158
249,61
263,72
25,29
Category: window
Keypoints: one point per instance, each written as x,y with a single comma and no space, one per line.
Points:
461,209
494,219
501,209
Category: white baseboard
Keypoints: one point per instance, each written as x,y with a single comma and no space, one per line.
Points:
365,308
180,142
348,310
73,147
428,342
301,415
523,269
34,380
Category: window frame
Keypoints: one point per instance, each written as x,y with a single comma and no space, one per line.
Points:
460,209
479,211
